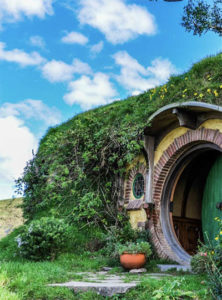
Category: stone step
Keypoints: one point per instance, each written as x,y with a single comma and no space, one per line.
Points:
164,268
106,284
105,289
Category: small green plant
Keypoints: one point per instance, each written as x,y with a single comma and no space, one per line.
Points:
133,248
121,235
214,264
200,260
42,239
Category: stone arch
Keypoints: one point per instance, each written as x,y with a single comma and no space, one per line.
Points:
166,162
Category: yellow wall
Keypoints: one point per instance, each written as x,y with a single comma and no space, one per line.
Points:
139,159
167,141
137,216
213,124
177,132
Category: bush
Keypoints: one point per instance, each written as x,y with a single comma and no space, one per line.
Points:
200,260
214,267
134,248
214,271
198,263
42,239
126,234
209,260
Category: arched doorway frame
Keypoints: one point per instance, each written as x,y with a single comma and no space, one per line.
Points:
167,246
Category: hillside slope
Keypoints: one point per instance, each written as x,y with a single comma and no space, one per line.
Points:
10,215
78,169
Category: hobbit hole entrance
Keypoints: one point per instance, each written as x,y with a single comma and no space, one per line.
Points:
182,144
190,197
186,198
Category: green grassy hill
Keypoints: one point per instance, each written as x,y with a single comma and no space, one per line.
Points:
10,215
77,170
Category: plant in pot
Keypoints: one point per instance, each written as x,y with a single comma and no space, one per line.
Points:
133,255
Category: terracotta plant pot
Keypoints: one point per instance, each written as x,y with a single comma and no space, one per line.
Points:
132,261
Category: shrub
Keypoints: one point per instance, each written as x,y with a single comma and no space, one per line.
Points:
214,272
133,248
214,267
209,260
42,239
126,234
200,260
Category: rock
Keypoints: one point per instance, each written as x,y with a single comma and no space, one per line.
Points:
105,289
106,269
138,271
164,268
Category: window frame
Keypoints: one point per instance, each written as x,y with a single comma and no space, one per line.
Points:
134,182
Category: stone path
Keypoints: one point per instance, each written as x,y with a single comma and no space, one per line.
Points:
164,268
106,284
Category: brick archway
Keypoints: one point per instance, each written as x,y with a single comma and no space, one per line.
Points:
179,147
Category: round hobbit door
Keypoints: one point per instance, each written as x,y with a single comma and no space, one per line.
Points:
191,195
212,202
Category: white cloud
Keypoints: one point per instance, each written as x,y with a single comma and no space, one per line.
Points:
118,21
58,71
136,78
17,143
37,41
16,146
31,109
161,68
19,56
75,38
97,48
80,67
15,10
89,92
17,140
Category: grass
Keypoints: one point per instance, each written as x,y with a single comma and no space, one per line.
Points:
10,215
101,140
100,143
24,280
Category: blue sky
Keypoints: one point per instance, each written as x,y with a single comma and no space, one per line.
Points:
59,58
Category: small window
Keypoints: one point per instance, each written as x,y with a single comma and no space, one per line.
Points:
138,186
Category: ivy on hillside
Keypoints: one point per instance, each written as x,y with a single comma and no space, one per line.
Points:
79,169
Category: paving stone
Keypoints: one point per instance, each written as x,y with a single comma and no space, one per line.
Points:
104,289
158,275
106,284
138,271
106,269
164,268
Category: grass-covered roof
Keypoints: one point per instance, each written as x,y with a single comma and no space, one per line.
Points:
79,164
